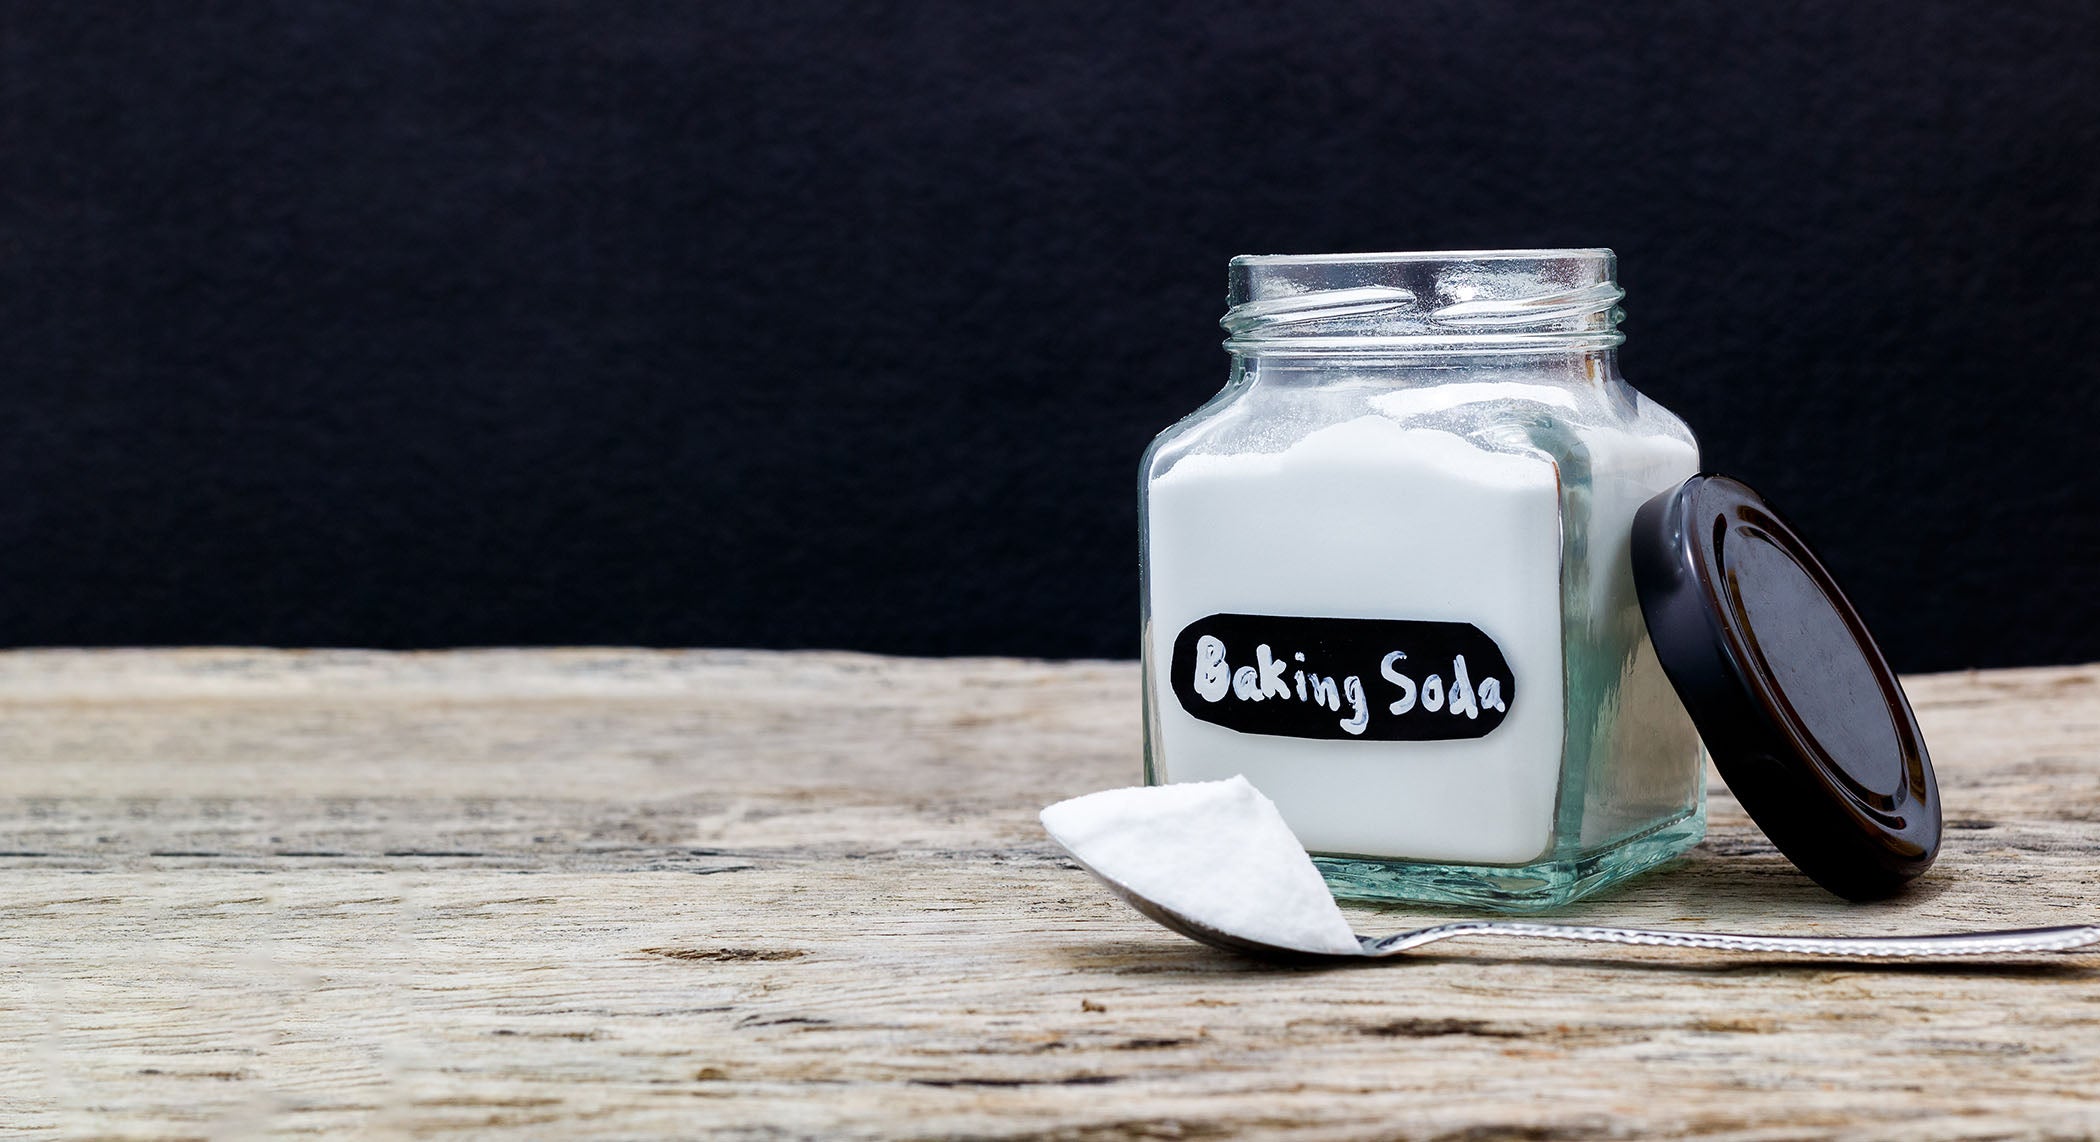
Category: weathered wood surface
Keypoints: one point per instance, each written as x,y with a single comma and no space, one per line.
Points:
631,894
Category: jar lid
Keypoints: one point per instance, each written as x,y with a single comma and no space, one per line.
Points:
1799,709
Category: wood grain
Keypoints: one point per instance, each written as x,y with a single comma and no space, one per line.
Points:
712,894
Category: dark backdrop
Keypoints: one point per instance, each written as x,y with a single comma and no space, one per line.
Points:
791,324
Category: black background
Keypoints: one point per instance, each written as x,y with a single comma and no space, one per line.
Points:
786,324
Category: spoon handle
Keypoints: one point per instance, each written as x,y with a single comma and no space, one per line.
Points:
1955,944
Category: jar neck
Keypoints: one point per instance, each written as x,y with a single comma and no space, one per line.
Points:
1427,309
1579,368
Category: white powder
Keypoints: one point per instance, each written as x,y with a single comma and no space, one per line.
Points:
1649,741
1216,852
1373,518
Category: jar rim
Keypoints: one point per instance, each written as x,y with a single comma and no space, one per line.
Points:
1570,253
1424,301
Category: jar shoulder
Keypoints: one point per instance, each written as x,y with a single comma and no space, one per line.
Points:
1210,427
1542,417
1650,418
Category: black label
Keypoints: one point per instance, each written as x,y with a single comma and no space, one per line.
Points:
1364,679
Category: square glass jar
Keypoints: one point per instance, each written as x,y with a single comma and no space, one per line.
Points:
1387,577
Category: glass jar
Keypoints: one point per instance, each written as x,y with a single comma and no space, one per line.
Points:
1387,578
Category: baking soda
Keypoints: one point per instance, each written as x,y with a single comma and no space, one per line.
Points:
1216,852
1381,517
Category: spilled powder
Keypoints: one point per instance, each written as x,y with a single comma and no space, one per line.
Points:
1216,852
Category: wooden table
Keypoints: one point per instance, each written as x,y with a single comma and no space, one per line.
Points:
633,894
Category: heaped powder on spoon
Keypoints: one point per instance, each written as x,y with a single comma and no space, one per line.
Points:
1216,852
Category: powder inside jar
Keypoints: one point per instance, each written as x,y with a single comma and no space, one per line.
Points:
1382,517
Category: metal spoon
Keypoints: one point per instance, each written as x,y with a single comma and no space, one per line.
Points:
2003,943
